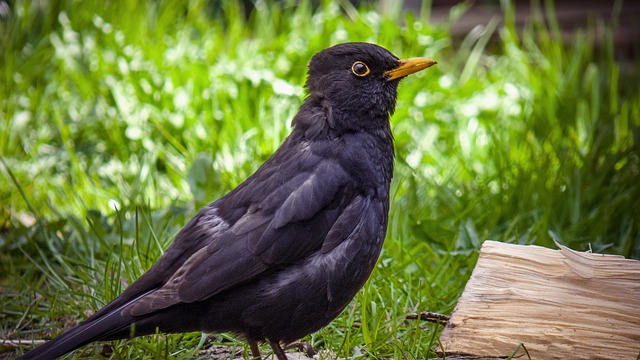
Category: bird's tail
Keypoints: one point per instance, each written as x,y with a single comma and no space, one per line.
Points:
80,335
107,326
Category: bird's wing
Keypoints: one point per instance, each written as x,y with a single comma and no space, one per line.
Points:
287,224
299,217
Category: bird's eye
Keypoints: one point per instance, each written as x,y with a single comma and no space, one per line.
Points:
360,69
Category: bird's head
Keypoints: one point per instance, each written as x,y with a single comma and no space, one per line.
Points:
360,79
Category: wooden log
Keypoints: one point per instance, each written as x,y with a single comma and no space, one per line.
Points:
561,304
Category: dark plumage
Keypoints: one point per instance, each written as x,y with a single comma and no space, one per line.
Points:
281,255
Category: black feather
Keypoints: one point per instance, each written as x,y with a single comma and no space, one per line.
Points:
281,255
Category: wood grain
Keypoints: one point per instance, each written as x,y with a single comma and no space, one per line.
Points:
561,304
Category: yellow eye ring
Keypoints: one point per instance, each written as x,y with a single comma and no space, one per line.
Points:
360,69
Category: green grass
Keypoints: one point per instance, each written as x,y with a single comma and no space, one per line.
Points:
120,119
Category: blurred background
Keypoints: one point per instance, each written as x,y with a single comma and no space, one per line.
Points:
119,119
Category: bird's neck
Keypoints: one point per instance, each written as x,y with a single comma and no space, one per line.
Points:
320,112
319,120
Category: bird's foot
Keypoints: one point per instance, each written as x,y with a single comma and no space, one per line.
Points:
277,350
302,346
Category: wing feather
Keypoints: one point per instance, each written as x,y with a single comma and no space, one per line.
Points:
283,226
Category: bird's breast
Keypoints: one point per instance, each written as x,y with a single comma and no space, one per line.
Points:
368,158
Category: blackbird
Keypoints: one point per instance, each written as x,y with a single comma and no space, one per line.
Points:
281,255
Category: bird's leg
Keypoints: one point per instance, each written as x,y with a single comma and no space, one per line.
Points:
255,350
301,346
277,350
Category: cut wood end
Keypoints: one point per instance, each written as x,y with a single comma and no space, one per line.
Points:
559,303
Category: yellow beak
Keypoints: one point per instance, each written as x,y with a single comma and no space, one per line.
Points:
408,67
